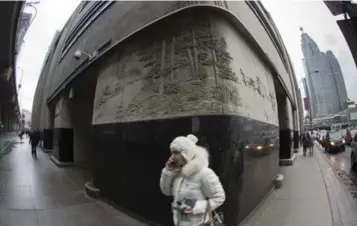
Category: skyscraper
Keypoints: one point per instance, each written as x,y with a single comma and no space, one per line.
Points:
338,78
24,24
324,86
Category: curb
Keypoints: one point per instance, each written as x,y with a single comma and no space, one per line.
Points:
46,150
342,205
287,162
91,190
61,164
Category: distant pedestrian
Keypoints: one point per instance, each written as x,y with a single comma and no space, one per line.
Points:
34,140
21,134
311,147
306,143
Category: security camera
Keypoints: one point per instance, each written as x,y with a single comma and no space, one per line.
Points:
77,55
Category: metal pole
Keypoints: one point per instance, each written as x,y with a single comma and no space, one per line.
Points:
22,74
19,87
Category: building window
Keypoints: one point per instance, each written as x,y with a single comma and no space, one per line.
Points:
87,19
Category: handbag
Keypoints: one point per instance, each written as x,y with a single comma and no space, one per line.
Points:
214,218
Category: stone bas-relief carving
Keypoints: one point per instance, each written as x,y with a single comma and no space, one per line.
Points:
256,84
180,67
182,70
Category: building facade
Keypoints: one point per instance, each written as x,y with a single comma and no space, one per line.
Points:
40,100
324,84
348,25
126,78
26,117
9,106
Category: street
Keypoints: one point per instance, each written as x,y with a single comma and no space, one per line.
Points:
342,166
342,160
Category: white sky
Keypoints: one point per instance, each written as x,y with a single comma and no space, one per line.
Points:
320,24
51,16
288,15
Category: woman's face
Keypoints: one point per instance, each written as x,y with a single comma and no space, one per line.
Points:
177,158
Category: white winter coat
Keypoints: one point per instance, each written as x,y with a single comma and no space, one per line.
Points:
194,181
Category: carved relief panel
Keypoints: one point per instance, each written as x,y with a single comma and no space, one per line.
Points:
254,79
181,67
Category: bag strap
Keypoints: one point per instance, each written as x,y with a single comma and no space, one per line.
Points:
208,212
213,215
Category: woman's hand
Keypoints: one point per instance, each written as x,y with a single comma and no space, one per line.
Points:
170,164
188,211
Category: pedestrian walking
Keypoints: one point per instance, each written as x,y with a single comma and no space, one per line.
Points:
21,134
34,140
197,191
311,147
306,143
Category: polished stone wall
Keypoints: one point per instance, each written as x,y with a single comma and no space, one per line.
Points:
81,110
130,156
48,139
193,73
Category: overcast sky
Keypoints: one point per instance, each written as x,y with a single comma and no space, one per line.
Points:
320,24
288,15
51,16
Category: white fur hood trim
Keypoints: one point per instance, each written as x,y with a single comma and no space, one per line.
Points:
200,161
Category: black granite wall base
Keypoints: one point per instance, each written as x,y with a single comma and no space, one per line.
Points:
48,139
130,157
296,139
285,144
63,144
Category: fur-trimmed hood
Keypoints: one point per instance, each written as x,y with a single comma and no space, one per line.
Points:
200,161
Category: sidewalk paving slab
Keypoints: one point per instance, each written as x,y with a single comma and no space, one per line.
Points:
311,195
37,193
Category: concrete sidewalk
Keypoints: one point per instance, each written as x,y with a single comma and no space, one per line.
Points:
37,193
312,195
7,141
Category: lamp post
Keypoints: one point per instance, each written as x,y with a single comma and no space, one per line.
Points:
22,74
32,6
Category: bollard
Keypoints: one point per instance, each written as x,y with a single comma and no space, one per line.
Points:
278,182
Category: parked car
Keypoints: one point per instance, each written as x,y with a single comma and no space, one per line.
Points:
354,152
335,143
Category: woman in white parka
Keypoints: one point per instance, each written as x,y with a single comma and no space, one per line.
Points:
192,184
